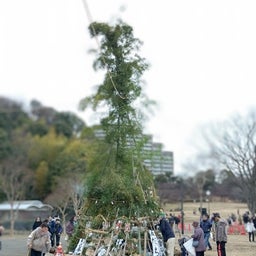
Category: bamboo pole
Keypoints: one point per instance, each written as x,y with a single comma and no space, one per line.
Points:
145,242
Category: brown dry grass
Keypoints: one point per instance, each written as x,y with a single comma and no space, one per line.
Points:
238,245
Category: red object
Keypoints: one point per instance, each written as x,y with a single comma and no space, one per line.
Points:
242,230
59,251
231,230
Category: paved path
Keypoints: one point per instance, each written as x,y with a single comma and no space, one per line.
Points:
15,246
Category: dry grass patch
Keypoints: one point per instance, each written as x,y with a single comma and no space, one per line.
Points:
238,245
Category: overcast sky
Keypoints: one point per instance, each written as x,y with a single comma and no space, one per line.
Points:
202,56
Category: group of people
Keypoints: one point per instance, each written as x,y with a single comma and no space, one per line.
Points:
201,234
46,234
215,226
54,227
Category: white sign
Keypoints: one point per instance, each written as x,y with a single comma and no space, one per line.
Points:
79,247
189,247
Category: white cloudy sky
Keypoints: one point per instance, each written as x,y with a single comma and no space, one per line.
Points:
202,56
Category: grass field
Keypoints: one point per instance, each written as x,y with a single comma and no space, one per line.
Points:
224,208
237,245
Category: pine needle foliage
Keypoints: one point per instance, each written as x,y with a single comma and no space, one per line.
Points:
117,180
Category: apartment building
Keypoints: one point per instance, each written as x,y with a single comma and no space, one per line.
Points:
157,160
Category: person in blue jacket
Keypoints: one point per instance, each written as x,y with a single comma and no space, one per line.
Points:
57,232
206,225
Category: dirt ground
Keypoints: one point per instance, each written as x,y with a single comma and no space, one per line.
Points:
237,245
16,246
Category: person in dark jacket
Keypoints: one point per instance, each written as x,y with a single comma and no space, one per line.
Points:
171,220
167,233
206,226
57,232
37,223
51,227
198,236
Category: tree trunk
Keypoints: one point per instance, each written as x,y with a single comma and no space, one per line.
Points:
12,220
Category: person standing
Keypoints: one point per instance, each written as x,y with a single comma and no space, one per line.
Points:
39,241
171,220
51,228
37,223
70,227
220,234
167,233
254,221
57,232
246,217
1,232
249,226
176,224
199,237
206,226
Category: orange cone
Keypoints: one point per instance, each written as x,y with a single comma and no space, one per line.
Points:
231,230
242,230
59,251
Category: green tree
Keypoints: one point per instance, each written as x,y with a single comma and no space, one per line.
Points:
68,124
46,148
53,156
71,160
65,123
38,128
12,115
41,180
5,144
117,180
42,113
42,155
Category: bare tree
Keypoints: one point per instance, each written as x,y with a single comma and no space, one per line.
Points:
234,144
68,193
200,181
60,198
13,177
77,191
